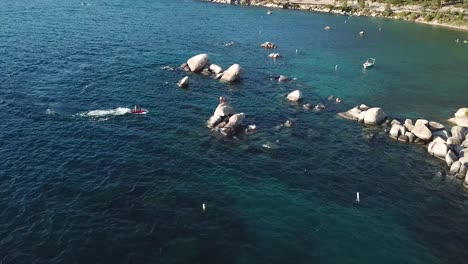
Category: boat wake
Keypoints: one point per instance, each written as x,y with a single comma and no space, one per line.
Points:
106,112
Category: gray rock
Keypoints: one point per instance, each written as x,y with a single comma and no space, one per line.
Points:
235,120
232,74
185,67
455,167
453,141
430,147
460,121
214,121
463,153
410,136
465,143
216,69
463,161
462,112
206,72
223,109
362,115
363,107
434,126
439,139
465,183
403,138
409,124
450,158
352,114
288,123
395,131
198,62
394,121
422,132
374,116
442,133
307,106
183,83
419,141
402,130
458,132
219,75
457,150
295,96
421,122
440,150
463,170
283,78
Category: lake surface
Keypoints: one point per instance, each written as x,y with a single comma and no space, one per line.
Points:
84,186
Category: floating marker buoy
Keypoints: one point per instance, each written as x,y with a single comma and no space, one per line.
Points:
336,67
203,206
357,197
296,51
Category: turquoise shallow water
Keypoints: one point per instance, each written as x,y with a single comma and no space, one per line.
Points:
114,188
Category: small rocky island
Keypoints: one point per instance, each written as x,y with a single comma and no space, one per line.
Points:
447,144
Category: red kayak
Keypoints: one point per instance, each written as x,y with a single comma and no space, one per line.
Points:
139,111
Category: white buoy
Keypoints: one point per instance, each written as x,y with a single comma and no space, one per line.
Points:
296,51
357,197
336,67
204,207
380,29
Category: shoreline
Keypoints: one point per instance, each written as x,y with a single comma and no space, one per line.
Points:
372,10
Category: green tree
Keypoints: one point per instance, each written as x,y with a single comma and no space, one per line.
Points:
344,6
388,10
362,4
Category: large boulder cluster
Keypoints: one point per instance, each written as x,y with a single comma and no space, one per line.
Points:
448,144
365,114
460,118
421,132
443,143
224,121
201,64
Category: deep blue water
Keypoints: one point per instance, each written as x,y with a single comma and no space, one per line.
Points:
83,188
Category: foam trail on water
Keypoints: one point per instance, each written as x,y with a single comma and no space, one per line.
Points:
107,112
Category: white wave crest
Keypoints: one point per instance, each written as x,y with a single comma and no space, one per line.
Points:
107,112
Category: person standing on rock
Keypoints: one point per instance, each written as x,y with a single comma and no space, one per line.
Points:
222,100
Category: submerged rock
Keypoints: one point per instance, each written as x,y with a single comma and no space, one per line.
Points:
268,45
283,78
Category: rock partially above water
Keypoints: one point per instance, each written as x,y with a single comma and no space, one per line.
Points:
183,83
216,69
198,62
352,114
374,116
295,96
422,132
232,74
434,126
